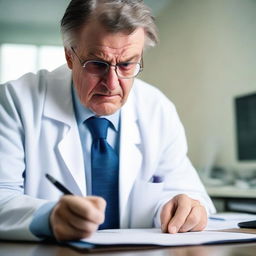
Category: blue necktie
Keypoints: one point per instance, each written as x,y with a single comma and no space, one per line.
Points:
105,167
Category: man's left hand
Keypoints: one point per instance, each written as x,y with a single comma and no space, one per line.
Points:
182,214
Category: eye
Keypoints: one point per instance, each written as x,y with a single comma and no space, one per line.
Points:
126,65
96,67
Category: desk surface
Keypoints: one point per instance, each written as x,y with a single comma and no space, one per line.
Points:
231,192
35,249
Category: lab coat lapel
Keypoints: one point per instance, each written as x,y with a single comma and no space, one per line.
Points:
130,157
59,106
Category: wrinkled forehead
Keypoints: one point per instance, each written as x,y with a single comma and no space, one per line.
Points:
94,35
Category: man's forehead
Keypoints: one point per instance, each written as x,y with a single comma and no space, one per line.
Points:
95,37
127,49
125,56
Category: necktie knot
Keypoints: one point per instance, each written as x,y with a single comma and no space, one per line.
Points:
98,127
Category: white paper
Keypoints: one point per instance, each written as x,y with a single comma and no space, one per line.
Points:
211,234
156,237
228,220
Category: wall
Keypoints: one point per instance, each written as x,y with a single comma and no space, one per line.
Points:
206,56
31,22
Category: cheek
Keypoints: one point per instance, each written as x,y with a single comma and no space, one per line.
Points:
84,86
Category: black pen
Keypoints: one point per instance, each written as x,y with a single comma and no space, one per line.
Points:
58,185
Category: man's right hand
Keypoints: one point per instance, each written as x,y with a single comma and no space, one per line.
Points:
76,217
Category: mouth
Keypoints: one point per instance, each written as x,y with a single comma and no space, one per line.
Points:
106,97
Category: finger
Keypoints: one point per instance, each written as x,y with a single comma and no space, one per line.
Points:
66,225
166,215
78,223
60,227
63,231
182,211
84,208
174,213
196,221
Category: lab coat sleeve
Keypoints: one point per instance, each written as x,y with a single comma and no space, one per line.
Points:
16,214
166,139
197,193
16,209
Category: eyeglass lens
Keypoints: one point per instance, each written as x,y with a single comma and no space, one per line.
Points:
128,69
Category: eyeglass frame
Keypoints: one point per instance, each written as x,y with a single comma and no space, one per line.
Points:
108,65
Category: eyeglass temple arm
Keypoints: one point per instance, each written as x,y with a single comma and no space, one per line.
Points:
73,50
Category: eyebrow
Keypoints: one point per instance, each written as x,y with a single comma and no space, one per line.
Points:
94,56
137,56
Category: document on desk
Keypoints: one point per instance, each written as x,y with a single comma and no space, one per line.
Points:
228,220
221,228
144,237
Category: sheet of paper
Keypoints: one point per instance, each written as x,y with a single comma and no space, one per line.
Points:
228,220
230,216
156,237
151,237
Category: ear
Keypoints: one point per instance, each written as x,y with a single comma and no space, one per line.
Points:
69,58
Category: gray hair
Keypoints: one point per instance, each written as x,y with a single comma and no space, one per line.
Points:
114,15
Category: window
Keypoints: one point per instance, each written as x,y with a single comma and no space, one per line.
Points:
50,57
18,59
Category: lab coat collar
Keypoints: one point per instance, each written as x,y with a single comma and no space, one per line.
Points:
130,156
59,107
58,102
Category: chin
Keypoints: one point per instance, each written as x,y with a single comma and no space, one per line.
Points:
105,111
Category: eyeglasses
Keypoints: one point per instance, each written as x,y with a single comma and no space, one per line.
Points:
124,70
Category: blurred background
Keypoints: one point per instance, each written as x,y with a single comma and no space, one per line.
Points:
205,63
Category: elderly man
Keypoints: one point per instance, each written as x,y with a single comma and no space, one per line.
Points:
114,141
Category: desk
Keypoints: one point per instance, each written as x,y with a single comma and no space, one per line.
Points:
233,198
37,249
231,192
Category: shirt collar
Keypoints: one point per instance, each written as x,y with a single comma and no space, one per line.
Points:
83,113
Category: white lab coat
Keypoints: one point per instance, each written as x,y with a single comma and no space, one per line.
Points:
39,134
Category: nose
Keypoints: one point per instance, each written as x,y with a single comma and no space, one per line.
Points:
111,79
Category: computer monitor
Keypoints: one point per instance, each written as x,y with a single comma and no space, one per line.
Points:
245,115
